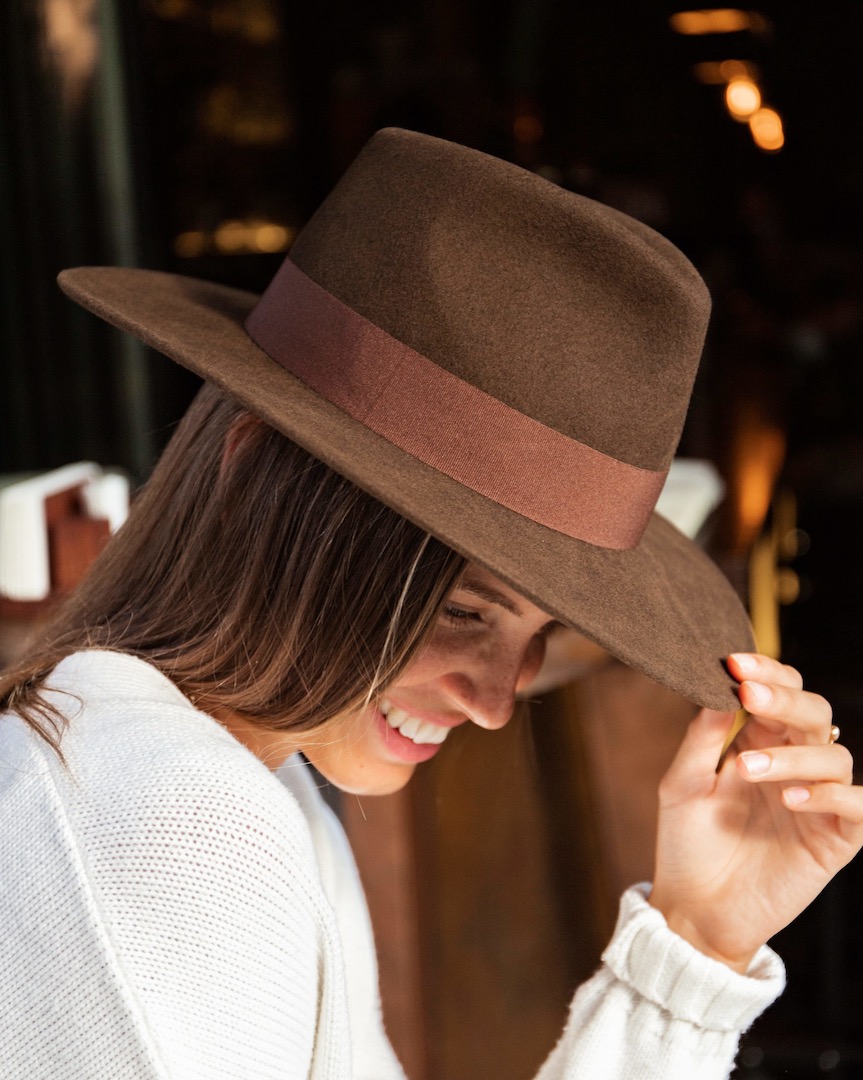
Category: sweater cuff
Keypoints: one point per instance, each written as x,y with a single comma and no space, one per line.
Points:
663,968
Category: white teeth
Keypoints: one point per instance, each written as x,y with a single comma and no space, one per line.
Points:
396,717
421,732
409,726
429,733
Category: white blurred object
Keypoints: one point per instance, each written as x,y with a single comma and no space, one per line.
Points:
693,490
107,496
25,568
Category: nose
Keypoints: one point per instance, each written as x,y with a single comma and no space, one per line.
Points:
486,695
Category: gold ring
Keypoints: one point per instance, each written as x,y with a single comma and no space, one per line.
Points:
834,734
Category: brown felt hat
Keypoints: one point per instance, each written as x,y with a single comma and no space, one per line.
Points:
504,362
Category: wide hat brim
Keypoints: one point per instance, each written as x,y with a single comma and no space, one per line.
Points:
662,607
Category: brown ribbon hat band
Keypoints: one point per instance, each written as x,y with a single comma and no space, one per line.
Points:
448,423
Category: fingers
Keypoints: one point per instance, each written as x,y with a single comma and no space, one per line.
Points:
840,799
764,669
816,764
827,787
807,717
772,692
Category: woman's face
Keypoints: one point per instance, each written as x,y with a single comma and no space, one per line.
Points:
488,644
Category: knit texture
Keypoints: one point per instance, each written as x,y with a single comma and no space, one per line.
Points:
171,909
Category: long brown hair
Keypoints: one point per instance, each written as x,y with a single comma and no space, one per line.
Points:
256,578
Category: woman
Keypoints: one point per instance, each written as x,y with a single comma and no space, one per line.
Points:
438,437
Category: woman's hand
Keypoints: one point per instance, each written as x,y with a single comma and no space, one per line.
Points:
741,853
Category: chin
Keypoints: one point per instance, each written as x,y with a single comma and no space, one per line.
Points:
377,779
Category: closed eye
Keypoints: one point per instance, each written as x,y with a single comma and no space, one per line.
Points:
460,615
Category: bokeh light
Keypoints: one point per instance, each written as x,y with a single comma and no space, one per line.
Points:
717,21
742,98
766,127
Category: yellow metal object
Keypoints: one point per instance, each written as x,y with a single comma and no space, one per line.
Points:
741,717
769,586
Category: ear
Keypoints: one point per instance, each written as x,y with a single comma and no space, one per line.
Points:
239,434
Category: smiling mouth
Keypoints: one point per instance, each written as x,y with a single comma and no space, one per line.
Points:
421,732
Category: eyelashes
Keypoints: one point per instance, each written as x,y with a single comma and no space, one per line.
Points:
464,617
460,616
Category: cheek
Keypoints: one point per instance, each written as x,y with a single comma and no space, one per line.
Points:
438,657
447,656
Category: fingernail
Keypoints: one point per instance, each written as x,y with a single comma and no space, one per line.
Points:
760,692
755,764
794,796
745,661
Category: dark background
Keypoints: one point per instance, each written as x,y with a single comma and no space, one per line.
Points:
137,133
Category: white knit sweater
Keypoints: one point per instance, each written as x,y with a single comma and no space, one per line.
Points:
171,909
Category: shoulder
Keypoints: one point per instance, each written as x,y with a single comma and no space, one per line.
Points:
146,770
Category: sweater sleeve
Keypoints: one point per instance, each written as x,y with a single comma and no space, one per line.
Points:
658,1009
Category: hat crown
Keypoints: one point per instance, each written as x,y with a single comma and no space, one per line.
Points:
564,309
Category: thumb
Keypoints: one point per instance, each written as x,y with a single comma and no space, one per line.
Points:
693,771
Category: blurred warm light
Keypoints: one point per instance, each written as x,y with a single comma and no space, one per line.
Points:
717,72
252,236
757,477
527,128
763,602
738,69
231,237
72,37
272,238
742,98
769,583
759,458
245,116
794,543
766,128
717,21
787,585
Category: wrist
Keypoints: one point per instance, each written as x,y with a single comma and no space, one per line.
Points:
688,928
